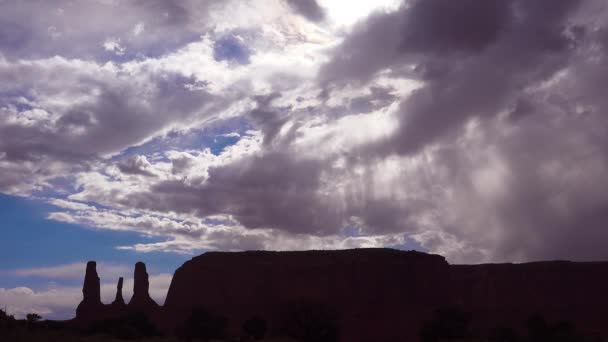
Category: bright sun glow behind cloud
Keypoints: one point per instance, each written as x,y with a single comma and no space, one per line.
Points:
345,13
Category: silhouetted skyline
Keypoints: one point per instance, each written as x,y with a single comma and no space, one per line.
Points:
157,130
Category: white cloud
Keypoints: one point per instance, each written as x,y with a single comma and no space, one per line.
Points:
72,271
114,45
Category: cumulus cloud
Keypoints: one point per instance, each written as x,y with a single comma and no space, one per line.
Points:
492,113
474,128
308,8
70,271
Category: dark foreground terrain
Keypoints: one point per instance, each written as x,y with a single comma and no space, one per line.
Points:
448,324
351,295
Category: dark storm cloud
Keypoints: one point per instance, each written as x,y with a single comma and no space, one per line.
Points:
500,154
537,61
439,26
268,118
473,57
466,74
273,190
309,9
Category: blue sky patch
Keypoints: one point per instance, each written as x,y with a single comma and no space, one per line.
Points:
231,48
30,240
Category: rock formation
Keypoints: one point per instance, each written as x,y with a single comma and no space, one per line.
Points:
119,302
141,300
370,294
510,293
377,293
92,309
90,306
387,295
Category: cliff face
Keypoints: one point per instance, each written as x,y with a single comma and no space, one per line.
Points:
373,291
371,294
387,295
509,293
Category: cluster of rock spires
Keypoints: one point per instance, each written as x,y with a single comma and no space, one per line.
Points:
378,294
92,309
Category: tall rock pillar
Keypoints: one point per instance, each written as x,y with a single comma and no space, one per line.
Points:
141,300
90,307
119,302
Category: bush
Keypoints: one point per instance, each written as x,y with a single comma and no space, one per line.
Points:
204,325
131,326
255,327
308,321
540,330
449,323
6,321
32,317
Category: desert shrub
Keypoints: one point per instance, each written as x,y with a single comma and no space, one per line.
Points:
131,326
32,317
7,322
204,325
504,334
539,330
308,321
450,323
255,328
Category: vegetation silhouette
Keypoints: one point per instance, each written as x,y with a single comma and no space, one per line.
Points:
454,324
6,321
32,317
203,324
254,328
310,321
448,323
539,330
130,326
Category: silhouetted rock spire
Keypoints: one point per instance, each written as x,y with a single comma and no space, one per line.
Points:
119,301
141,300
90,305
91,288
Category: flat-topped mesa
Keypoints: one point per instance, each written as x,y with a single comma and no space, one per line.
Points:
91,305
141,300
119,301
372,290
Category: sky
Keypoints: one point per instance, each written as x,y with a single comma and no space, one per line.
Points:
157,130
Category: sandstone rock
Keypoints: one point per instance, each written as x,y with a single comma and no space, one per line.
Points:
510,293
141,300
119,302
386,295
90,306
370,294
378,294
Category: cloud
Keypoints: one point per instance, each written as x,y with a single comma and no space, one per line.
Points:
137,165
60,114
310,9
82,29
71,271
475,129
